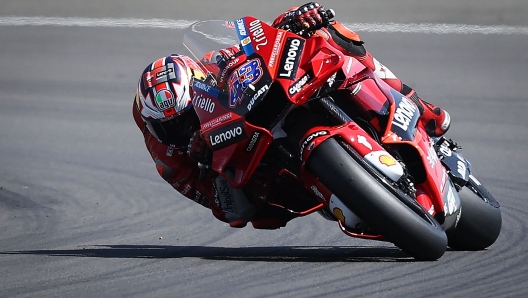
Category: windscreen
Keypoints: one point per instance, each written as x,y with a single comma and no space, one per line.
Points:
205,36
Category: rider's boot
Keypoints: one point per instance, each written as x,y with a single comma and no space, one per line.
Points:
435,120
237,209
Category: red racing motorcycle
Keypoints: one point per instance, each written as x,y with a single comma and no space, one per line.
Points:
330,125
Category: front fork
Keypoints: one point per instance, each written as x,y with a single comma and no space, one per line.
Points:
350,134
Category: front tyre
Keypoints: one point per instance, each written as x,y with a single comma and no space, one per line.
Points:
419,235
480,219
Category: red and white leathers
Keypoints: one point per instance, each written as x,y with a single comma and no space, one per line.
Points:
435,120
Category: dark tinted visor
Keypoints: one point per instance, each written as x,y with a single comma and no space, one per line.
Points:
173,132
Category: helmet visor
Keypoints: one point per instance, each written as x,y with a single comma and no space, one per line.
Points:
175,132
171,132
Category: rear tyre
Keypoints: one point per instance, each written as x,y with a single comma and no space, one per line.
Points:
480,220
376,202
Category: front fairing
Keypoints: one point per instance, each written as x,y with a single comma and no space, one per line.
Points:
227,100
242,84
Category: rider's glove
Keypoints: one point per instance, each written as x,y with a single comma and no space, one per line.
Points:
199,151
306,17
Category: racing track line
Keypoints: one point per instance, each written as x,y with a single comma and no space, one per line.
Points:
182,24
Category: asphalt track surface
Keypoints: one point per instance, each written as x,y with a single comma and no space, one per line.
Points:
83,212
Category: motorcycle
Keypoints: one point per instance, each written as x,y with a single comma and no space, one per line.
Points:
332,126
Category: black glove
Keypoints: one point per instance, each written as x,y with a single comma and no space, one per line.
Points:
307,18
198,150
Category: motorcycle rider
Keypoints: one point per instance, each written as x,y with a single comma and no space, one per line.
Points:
164,113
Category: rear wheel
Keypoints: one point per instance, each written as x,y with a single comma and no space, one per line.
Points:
380,205
480,219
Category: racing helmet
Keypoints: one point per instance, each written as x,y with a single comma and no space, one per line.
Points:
164,100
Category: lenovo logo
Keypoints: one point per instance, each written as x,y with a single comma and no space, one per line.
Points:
290,58
227,135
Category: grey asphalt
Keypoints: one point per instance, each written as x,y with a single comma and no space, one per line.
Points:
83,212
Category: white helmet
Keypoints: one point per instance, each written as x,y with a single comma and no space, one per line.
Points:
164,101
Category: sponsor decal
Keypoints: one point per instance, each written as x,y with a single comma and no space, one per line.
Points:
165,72
230,25
159,75
170,151
363,141
226,200
228,66
202,86
255,28
259,93
444,149
241,27
462,169
387,160
339,214
299,84
227,135
197,196
308,139
276,48
204,103
248,73
431,156
165,100
245,41
290,58
317,192
253,140
404,113
186,189
217,121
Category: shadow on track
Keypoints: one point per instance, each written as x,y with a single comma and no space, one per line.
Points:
265,254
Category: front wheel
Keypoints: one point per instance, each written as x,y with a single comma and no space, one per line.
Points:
376,202
480,219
